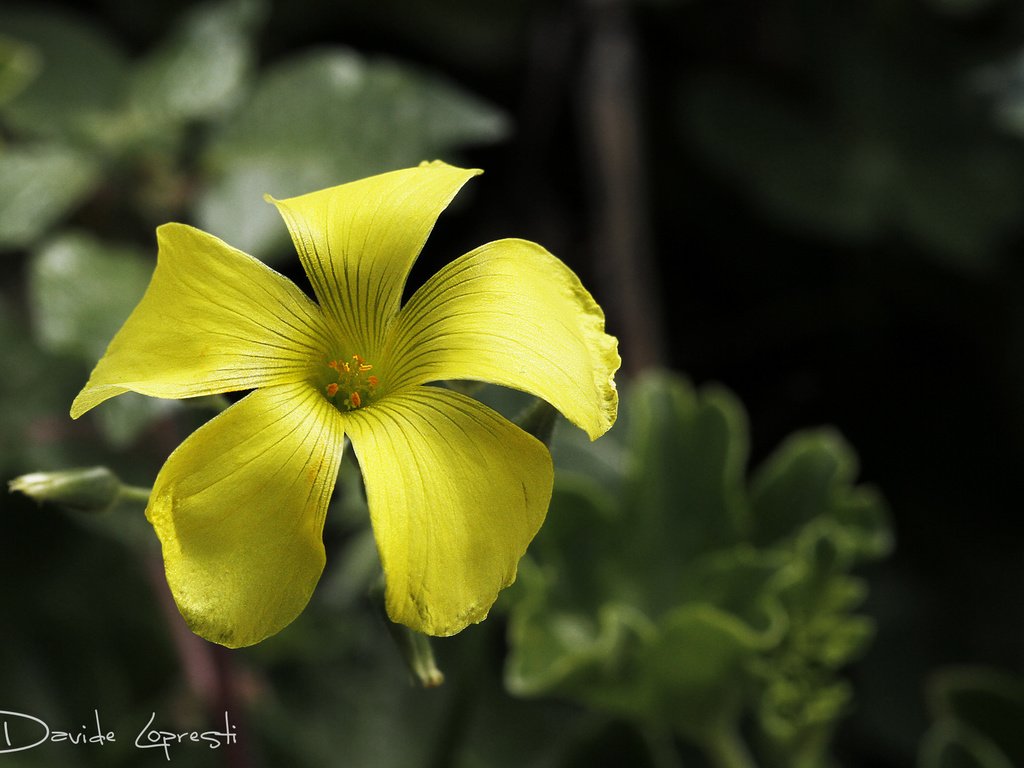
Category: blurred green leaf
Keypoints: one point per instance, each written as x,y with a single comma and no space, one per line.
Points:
1003,84
82,73
949,744
797,167
977,715
802,698
81,291
40,185
690,600
126,416
19,64
201,70
962,199
702,687
482,37
812,472
324,118
889,149
29,388
602,461
686,474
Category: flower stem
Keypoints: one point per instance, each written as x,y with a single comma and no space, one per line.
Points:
417,654
134,493
206,669
413,646
538,419
613,130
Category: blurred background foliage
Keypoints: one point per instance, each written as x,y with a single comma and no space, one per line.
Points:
800,546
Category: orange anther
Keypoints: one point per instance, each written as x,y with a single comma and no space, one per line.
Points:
373,381
332,390
355,399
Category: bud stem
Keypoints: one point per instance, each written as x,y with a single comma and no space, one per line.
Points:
135,493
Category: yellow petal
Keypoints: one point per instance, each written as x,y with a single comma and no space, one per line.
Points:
358,242
456,493
239,509
212,320
510,313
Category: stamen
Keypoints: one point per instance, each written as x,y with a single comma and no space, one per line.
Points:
351,382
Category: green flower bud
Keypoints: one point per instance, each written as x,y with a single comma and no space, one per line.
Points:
414,647
418,655
90,489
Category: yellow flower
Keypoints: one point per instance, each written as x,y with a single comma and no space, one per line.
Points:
455,491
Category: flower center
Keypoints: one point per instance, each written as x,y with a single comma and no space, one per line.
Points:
353,383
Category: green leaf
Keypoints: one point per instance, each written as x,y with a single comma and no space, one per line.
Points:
40,185
32,389
977,710
884,148
124,418
323,118
801,480
81,290
82,73
592,461
806,485
697,668
790,162
744,582
585,656
19,64
576,505
797,716
962,208
950,744
201,69
685,596
803,697
685,474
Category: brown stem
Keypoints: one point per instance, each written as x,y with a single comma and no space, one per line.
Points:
208,669
228,700
620,219
197,663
